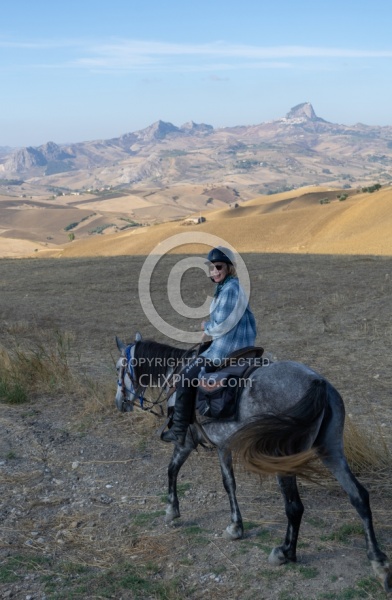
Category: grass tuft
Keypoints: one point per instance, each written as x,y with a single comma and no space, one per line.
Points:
39,369
344,533
49,364
366,453
12,392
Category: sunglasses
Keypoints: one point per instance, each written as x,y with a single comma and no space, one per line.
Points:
217,267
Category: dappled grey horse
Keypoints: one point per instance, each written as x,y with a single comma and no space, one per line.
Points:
288,415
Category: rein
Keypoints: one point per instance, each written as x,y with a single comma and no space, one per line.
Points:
176,371
128,369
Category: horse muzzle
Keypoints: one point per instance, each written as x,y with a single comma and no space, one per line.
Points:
122,404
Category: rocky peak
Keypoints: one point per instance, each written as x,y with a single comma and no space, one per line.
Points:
191,126
25,159
31,157
49,148
51,151
304,112
157,131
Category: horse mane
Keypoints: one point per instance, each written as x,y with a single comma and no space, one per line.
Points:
155,359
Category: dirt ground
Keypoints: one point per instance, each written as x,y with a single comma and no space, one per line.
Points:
83,487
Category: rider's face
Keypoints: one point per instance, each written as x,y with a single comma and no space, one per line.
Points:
218,271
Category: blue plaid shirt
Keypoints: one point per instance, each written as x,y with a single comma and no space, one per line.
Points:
232,325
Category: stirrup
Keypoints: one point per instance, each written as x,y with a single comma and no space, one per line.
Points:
168,423
170,436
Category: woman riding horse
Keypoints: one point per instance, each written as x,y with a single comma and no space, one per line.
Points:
288,416
231,326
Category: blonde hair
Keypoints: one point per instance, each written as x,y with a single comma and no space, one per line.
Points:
231,270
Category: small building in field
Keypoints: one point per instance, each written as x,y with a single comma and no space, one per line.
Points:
194,220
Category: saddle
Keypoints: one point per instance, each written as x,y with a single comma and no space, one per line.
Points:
218,392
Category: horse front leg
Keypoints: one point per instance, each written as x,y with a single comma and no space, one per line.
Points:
294,511
180,455
359,498
235,530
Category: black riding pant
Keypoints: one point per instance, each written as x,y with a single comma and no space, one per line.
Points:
186,391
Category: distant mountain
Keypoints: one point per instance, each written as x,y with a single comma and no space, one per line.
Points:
298,149
302,113
44,156
192,127
5,150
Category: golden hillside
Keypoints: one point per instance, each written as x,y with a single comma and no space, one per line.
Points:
291,222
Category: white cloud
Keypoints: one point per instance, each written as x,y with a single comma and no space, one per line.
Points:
142,55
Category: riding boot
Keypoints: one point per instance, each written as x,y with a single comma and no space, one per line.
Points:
182,417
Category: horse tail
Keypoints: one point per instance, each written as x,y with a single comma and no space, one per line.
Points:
282,443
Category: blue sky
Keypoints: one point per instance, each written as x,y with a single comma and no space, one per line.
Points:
83,69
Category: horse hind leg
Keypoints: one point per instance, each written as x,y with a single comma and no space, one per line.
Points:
359,498
235,530
294,511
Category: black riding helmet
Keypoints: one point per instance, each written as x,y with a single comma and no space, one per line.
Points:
220,254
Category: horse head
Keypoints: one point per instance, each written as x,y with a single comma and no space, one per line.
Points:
128,389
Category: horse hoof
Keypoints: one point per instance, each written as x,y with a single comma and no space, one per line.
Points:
277,558
233,532
384,574
388,580
171,514
388,583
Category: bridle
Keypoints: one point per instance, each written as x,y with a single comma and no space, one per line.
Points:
136,390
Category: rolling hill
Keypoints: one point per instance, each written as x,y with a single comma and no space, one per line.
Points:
259,186
291,222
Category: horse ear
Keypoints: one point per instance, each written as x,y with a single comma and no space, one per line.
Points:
120,345
138,337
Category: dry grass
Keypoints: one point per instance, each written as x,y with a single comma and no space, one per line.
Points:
367,451
294,222
47,362
42,366
291,222
45,367
311,309
82,542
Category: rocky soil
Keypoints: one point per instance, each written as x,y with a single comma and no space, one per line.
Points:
83,487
